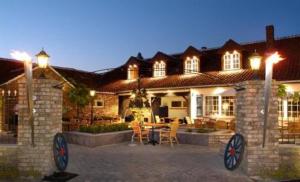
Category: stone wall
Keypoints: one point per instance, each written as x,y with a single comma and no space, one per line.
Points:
47,122
1,112
110,108
94,140
250,104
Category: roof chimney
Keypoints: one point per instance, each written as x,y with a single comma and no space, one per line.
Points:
203,48
270,37
139,55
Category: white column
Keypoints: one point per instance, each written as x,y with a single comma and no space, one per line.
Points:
285,108
220,105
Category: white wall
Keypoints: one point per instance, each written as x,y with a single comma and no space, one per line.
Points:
174,112
214,91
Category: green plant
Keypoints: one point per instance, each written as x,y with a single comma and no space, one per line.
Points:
206,130
296,97
284,172
79,96
281,92
189,130
102,128
12,173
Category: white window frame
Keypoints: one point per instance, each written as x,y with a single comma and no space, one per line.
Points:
232,61
159,69
96,103
191,65
219,107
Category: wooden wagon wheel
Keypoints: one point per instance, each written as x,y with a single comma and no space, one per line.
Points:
234,152
60,151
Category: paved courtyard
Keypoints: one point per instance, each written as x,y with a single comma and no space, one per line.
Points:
149,163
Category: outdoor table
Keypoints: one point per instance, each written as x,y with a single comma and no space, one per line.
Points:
155,125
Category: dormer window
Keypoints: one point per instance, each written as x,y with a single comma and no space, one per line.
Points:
132,72
232,61
159,69
191,65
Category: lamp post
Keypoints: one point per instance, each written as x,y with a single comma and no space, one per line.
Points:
42,60
272,59
255,62
92,94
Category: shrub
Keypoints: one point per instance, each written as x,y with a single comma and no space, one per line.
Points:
189,130
102,128
206,130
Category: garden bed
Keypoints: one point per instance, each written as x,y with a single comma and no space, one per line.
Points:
94,140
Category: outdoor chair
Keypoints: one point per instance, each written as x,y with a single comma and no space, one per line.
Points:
169,135
188,120
294,129
220,124
198,123
232,125
211,123
138,132
158,119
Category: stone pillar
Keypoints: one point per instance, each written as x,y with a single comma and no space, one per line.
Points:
47,122
1,112
250,104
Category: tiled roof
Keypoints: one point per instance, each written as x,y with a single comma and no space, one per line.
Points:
181,81
12,68
210,68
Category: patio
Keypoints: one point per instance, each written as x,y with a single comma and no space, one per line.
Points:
147,163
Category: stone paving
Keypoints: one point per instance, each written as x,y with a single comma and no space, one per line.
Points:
145,163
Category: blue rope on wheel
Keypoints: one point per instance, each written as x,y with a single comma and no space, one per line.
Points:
60,151
234,151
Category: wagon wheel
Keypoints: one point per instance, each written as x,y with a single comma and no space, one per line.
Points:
60,151
234,152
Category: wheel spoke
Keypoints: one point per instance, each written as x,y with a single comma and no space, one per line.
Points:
234,151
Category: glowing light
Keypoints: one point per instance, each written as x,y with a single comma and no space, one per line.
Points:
275,58
92,93
218,91
255,61
225,106
289,90
20,55
42,59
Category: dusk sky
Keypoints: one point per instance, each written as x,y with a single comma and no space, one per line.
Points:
95,34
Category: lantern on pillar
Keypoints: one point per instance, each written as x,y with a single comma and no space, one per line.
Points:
42,60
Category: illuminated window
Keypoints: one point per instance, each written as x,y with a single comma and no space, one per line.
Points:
220,105
191,65
199,102
211,105
293,108
132,72
159,69
232,60
228,105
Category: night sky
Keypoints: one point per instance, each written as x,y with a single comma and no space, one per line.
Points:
97,34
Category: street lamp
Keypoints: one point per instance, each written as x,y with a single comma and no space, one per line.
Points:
92,94
42,60
272,59
255,62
